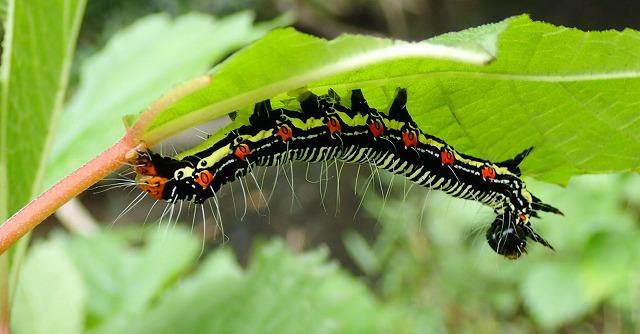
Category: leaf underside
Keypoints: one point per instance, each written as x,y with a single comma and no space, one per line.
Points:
570,94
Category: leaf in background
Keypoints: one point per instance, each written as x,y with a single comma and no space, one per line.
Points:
136,67
614,253
51,295
562,286
122,280
570,94
596,252
38,45
279,293
362,253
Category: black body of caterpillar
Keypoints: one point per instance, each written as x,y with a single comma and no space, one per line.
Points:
328,130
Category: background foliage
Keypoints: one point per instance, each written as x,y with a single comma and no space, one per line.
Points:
420,264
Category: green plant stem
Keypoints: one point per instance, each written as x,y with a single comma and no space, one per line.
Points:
46,204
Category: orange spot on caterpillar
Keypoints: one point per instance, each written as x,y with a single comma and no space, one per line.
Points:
153,185
376,128
410,139
447,157
334,126
242,151
488,173
285,132
204,178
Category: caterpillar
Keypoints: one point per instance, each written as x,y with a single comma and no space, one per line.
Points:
327,129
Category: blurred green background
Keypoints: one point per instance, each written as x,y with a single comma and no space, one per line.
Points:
421,255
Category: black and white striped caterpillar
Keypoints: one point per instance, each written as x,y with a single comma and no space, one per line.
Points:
327,130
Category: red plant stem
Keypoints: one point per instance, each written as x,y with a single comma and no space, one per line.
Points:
93,171
46,204
5,309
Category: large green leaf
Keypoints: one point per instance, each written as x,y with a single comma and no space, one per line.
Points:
39,39
38,47
568,93
286,59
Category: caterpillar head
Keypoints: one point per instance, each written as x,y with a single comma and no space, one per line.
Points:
168,179
508,236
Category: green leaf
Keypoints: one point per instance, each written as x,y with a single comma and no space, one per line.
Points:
51,295
38,47
362,253
555,294
38,44
122,282
137,66
279,293
596,255
286,59
568,93
615,254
